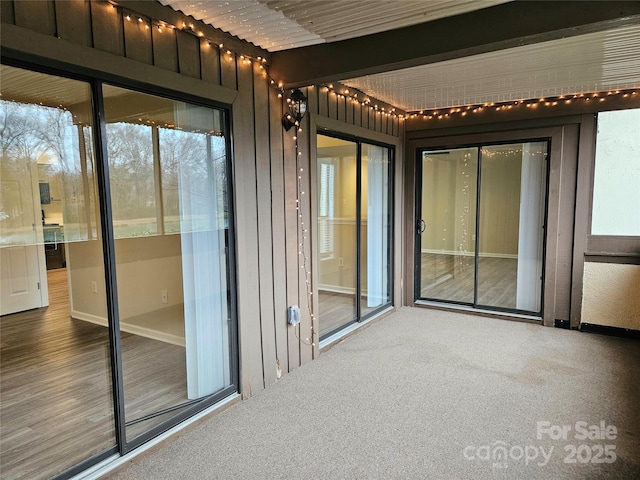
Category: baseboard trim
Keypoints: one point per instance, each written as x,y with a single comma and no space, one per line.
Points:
610,331
455,253
336,289
558,323
88,317
129,328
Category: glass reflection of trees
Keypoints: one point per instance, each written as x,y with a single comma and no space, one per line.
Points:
32,134
145,202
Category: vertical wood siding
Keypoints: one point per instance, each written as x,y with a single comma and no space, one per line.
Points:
269,273
107,28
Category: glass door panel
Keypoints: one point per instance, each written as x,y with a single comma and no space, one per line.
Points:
487,249
448,222
337,240
375,228
511,219
56,405
167,169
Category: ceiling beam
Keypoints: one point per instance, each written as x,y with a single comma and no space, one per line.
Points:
502,26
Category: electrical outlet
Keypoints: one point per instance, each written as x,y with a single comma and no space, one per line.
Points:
341,262
94,286
165,296
293,315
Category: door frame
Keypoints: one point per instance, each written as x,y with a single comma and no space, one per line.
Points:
359,141
419,221
563,154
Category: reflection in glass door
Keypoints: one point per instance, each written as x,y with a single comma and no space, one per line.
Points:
448,225
375,228
56,407
481,226
170,213
337,232
354,231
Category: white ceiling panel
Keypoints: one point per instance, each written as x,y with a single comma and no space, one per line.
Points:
282,24
592,62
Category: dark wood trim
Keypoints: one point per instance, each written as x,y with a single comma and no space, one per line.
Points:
246,227
329,124
315,93
612,258
276,160
157,11
26,45
6,12
584,183
565,231
499,27
268,319
554,212
611,331
613,245
305,299
503,125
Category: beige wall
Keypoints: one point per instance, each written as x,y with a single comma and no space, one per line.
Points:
500,206
448,204
145,266
611,295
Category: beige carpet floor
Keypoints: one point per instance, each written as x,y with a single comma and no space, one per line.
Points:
425,394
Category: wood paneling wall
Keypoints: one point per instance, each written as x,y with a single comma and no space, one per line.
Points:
95,38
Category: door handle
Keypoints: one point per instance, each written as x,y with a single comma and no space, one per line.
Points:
422,226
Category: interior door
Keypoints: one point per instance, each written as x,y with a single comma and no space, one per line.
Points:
20,278
23,279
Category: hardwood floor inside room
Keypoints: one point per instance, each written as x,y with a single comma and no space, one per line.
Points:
451,277
335,310
56,405
338,309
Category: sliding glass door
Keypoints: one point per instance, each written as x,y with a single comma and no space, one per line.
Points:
56,406
480,225
337,236
354,231
116,268
167,166
375,229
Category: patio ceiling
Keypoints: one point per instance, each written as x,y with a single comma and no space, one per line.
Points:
283,24
420,55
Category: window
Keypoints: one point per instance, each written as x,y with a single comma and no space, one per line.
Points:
616,196
326,208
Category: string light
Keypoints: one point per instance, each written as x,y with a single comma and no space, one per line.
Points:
163,27
548,102
302,244
352,97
